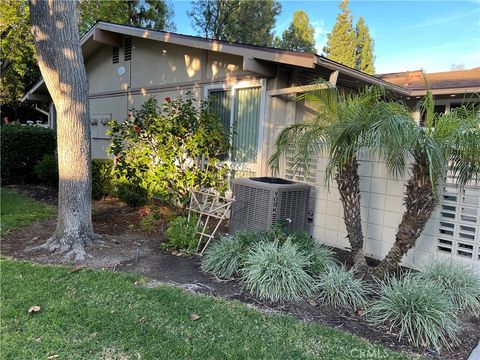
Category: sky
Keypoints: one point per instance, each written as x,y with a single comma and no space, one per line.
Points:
409,35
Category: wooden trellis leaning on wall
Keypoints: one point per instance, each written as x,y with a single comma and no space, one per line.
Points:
209,206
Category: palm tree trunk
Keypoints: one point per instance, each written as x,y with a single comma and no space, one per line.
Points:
348,183
420,202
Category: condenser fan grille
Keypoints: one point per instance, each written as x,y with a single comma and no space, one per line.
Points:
262,202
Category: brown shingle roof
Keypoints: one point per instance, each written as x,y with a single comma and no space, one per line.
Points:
415,80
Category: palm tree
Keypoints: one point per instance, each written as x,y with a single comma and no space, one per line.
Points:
340,130
449,142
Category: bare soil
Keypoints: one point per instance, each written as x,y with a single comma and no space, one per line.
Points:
125,247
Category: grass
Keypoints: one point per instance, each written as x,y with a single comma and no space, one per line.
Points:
18,210
93,314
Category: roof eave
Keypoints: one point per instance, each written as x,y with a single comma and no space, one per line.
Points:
447,91
322,61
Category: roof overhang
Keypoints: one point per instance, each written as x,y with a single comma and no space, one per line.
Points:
368,79
256,59
447,91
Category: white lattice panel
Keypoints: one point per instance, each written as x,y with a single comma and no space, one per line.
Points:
459,222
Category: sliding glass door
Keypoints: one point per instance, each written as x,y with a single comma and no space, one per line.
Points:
239,108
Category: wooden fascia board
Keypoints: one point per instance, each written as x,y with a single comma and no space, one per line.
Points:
450,91
281,56
36,97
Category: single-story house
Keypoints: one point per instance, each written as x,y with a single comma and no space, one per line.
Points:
255,87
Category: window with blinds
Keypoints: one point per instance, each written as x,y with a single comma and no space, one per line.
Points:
244,125
220,103
246,117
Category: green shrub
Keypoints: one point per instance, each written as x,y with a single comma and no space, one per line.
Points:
160,149
323,259
277,272
102,178
418,309
21,148
339,288
223,257
182,234
132,195
46,170
459,281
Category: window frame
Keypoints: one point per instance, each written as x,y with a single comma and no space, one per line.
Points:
232,87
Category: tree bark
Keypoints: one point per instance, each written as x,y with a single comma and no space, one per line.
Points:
348,183
54,28
420,202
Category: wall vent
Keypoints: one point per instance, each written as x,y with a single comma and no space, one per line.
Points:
127,43
262,202
115,54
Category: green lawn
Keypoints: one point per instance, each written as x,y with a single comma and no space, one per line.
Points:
93,314
18,210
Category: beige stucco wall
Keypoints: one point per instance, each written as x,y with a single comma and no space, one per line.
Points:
156,69
102,73
112,108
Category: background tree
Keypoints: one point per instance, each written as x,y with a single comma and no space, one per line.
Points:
19,69
365,48
150,14
244,21
55,31
342,41
300,35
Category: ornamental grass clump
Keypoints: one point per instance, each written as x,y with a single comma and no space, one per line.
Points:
277,272
459,281
323,259
418,309
339,288
223,257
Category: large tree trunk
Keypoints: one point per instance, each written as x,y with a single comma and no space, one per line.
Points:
420,202
348,183
54,27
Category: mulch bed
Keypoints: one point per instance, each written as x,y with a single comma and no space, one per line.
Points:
125,248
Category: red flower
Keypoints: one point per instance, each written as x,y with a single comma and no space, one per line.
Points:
138,129
117,159
167,99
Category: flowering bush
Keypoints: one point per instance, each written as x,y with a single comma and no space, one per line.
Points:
171,150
